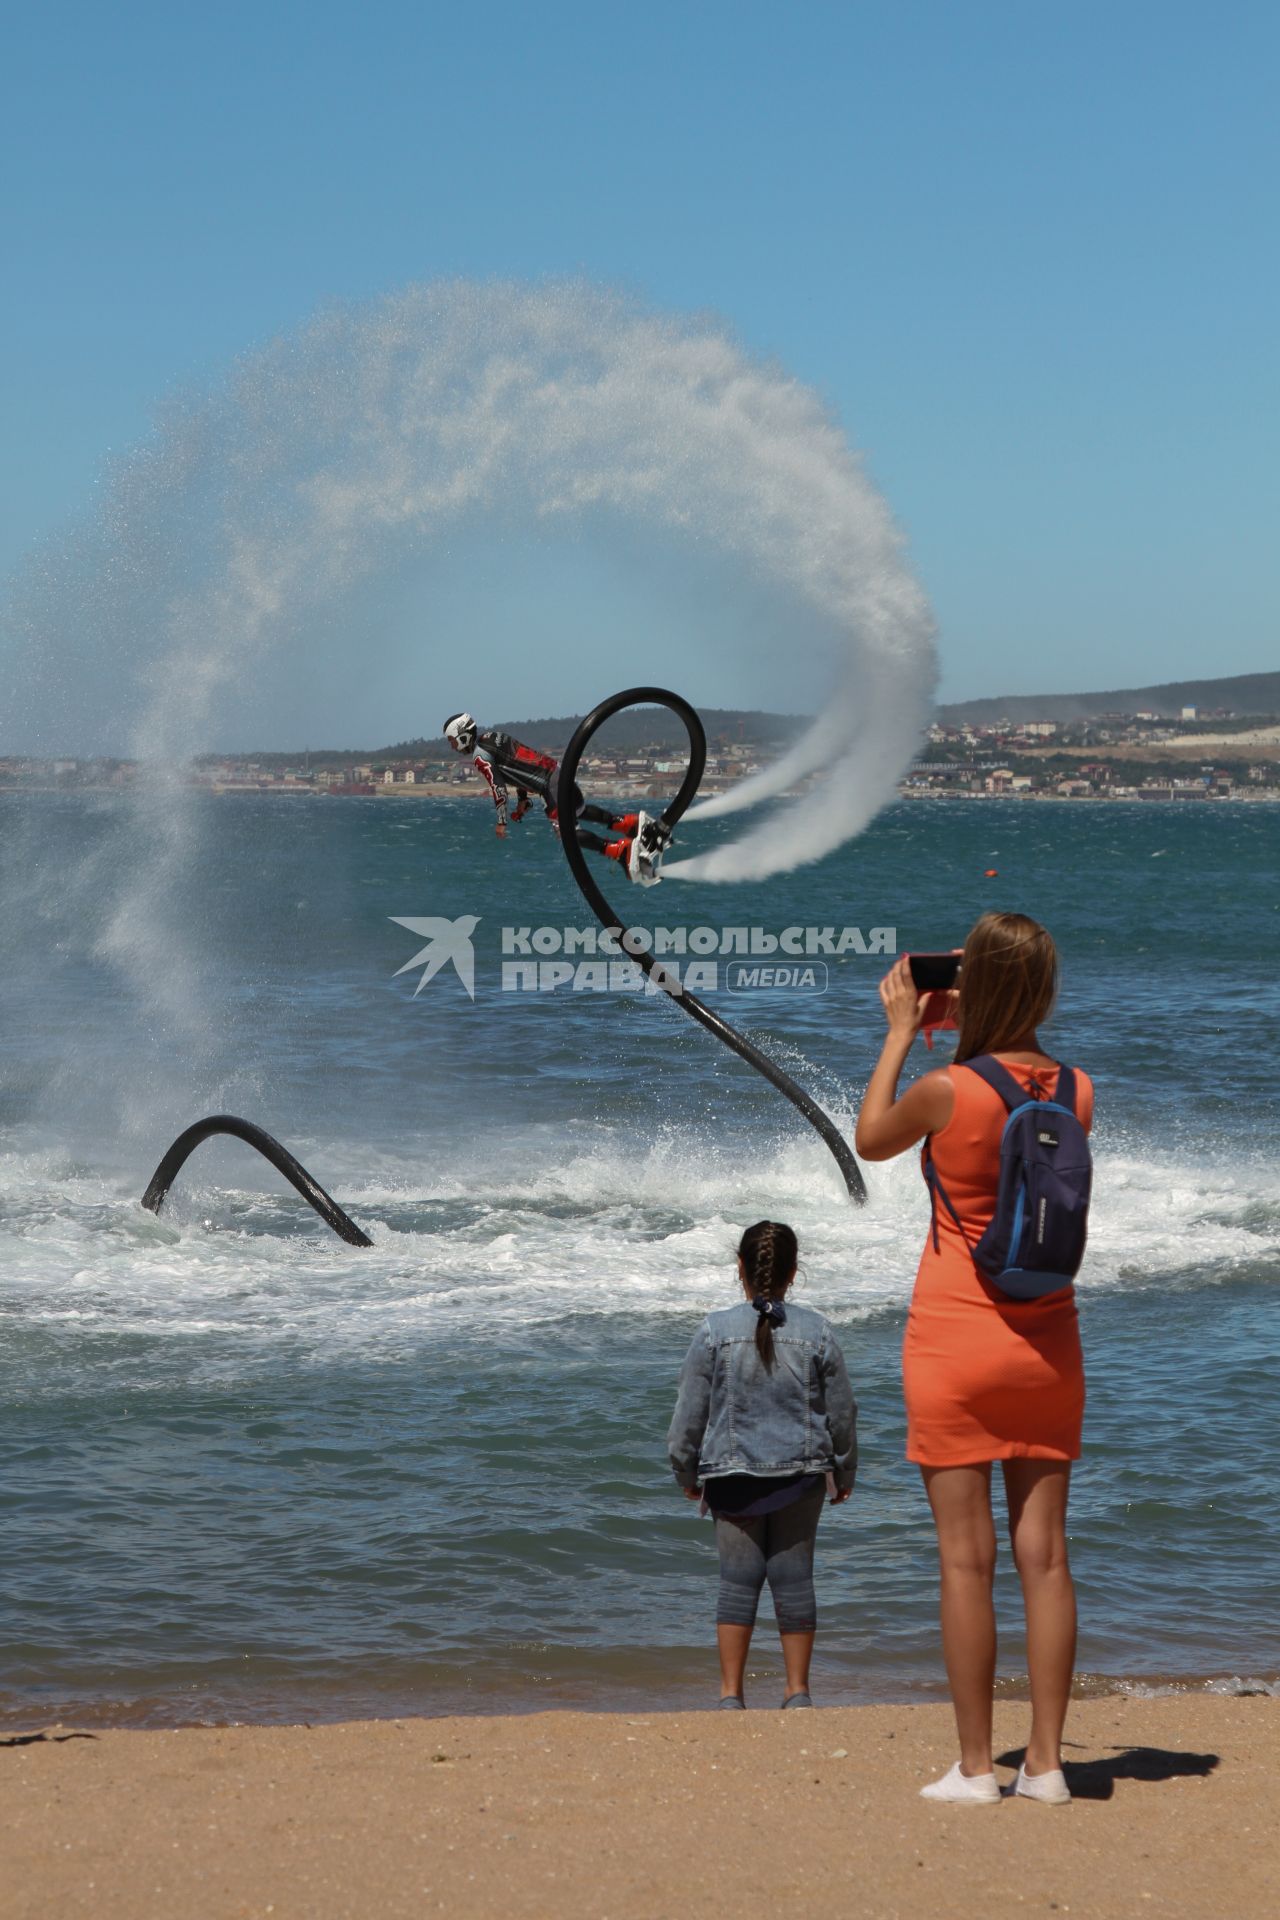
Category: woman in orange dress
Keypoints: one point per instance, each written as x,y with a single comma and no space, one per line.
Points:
987,1377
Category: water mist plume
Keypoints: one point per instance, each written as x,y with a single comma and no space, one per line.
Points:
329,455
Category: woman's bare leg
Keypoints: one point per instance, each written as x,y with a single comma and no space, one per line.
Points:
734,1644
797,1653
1036,1491
961,1502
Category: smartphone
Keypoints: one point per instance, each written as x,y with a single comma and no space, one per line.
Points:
934,972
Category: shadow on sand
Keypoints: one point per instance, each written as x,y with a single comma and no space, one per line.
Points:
34,1739
1096,1779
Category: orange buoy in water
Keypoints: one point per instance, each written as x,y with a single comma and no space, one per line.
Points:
991,873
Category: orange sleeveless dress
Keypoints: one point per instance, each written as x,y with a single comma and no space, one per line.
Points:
986,1377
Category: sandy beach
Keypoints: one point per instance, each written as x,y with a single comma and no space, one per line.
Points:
639,1817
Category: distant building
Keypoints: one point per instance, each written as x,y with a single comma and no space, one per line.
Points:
1188,713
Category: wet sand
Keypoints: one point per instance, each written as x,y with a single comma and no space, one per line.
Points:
639,1817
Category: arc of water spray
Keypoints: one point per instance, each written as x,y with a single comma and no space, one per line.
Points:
375,429
332,457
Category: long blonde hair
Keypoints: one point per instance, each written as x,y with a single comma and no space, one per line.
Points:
1008,983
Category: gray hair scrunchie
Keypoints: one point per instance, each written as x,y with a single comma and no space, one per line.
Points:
771,1310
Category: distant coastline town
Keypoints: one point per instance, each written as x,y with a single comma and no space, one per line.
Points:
1171,749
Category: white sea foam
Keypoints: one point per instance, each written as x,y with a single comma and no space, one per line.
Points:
471,1249
1231,1686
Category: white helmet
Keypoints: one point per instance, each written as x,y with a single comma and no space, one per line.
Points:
460,731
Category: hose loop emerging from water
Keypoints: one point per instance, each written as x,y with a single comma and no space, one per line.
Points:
595,899
280,1157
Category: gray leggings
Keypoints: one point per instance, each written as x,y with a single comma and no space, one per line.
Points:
777,1547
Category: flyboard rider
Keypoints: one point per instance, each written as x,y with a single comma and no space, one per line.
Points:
638,842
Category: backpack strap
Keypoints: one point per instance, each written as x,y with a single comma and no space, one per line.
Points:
938,1192
931,1181
988,1068
1065,1092
998,1078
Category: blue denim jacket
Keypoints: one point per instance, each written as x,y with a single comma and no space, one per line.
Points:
734,1416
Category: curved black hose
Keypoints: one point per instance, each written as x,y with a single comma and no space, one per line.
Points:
280,1157
595,899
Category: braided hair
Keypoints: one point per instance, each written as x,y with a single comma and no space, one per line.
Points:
767,1254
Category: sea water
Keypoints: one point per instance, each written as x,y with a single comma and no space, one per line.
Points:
249,1472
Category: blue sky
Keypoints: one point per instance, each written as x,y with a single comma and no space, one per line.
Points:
1026,253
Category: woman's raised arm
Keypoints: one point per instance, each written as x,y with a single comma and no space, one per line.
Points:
887,1126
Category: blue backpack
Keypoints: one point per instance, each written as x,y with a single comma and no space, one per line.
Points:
1036,1239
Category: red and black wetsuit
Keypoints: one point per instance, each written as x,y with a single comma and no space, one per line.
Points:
499,759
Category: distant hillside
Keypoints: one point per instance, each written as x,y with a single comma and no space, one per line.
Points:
639,727
1254,694
626,733
1244,693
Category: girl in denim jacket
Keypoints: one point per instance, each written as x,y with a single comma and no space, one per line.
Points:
764,1428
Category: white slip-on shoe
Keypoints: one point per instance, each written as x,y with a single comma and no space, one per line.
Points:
964,1789
1050,1787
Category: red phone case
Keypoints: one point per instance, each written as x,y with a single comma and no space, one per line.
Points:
937,1016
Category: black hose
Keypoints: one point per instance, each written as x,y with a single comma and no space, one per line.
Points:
595,899
280,1157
